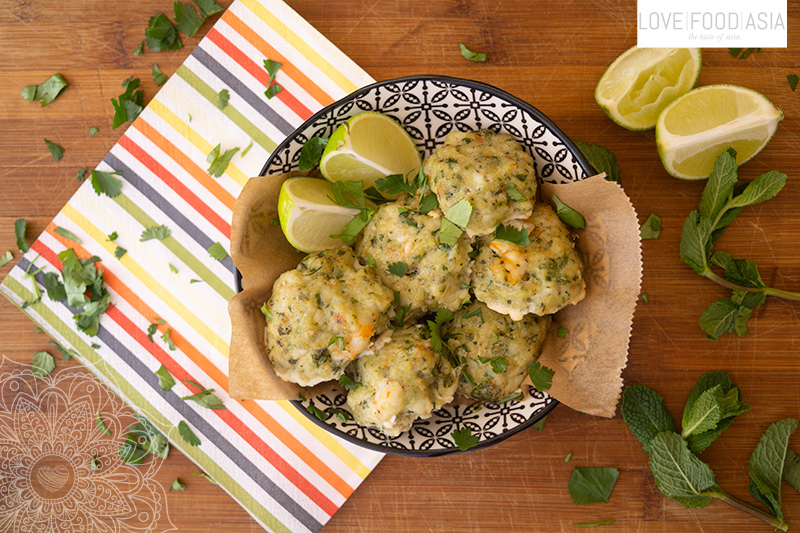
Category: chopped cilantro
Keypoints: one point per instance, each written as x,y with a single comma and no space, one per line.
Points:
177,485
47,91
205,398
20,226
466,53
244,152
311,152
792,81
106,183
43,364
166,338
159,77
6,258
443,315
173,268
499,363
399,269
475,312
119,252
94,465
111,237
272,68
81,174
541,376
464,438
314,410
165,379
514,195
186,18
129,104
205,476
55,150
645,298
139,49
64,353
601,159
568,215
156,232
151,330
349,383
511,234
161,34
217,251
350,194
187,434
454,222
99,424
222,98
219,163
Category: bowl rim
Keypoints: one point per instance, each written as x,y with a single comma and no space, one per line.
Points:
494,91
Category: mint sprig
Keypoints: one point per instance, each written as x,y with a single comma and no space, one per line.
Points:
720,203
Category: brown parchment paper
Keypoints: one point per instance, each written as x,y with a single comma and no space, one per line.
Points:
588,361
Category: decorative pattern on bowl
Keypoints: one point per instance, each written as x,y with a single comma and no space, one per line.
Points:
430,107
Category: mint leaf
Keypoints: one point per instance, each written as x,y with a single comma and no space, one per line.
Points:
732,314
217,251
43,364
106,183
187,434
761,189
466,53
99,424
399,269
67,234
311,153
651,228
156,232
711,407
541,376
159,77
679,474
511,234
791,470
704,383
464,438
792,81
644,413
222,100
219,163
47,92
738,271
720,185
568,215
767,464
695,242
161,34
55,150
592,484
601,159
165,379
20,226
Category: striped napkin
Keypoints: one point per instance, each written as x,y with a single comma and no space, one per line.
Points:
286,472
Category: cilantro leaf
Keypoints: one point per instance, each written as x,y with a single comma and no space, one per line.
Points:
272,68
156,232
349,383
541,376
129,104
55,150
455,222
67,234
94,465
208,8
767,464
206,477
219,163
568,215
540,424
511,234
119,252
88,320
93,131
165,379
6,258
498,363
20,226
273,90
443,315
81,174
217,251
139,49
161,34
205,397
350,194
561,333
514,195
173,268
43,364
177,485
222,99
792,81
644,413
601,159
311,153
151,330
651,228
47,92
428,203
187,434
130,452
464,438
592,484
399,269
166,338
64,353
98,422
394,184
159,77
186,19
471,56
475,312
106,183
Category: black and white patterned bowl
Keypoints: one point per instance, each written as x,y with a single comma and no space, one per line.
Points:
430,107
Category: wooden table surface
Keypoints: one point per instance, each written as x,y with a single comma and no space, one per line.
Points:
551,55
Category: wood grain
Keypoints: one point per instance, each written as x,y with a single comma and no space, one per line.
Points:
551,55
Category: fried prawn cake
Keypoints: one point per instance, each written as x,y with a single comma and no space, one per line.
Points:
496,350
322,315
491,170
404,246
400,382
539,278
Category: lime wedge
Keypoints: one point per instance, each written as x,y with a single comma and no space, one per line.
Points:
308,215
697,127
641,82
369,146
